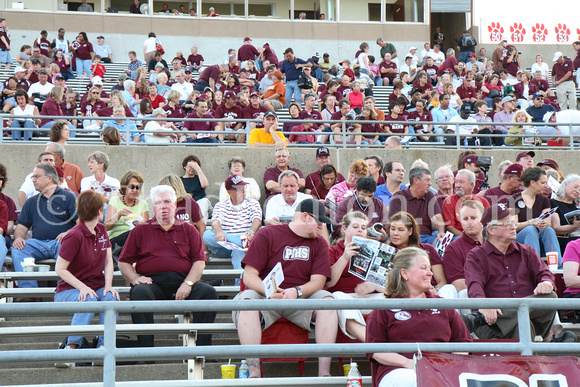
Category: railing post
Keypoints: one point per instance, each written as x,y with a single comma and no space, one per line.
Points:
343,134
458,143
2,136
128,138
571,136
525,332
110,345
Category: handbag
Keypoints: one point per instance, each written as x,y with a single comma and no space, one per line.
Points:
159,47
304,82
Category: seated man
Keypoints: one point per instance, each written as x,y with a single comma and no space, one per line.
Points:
464,184
169,260
509,186
272,175
200,111
121,124
229,109
322,158
503,268
395,174
274,97
306,264
267,136
281,207
526,159
51,214
255,110
233,219
133,65
185,88
419,201
27,189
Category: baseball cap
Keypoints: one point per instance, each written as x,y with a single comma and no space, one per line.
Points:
247,39
254,94
316,55
506,99
473,55
412,48
346,60
100,37
548,116
270,114
322,151
159,111
416,90
97,81
469,159
514,169
123,76
266,43
525,153
278,74
19,69
202,96
314,207
550,163
537,94
496,212
465,108
59,77
187,71
234,182
229,94
408,56
557,56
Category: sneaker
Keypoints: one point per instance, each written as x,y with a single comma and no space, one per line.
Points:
565,337
473,321
98,363
64,364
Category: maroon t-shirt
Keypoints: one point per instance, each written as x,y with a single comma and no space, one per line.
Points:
431,71
415,116
108,112
560,70
449,64
347,281
188,210
525,213
428,87
273,173
155,250
390,65
195,59
5,34
368,126
12,214
176,112
88,108
422,209
342,92
543,85
200,125
300,257
408,326
43,45
469,92
313,180
454,257
512,67
270,55
86,252
210,72
252,112
496,195
314,114
247,52
396,128
83,50
3,218
231,113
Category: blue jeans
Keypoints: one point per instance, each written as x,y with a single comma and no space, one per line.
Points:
84,66
292,88
367,142
202,140
429,238
24,135
37,249
541,240
318,74
221,252
72,295
464,56
73,132
3,252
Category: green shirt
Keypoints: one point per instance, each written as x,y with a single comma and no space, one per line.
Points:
121,227
388,48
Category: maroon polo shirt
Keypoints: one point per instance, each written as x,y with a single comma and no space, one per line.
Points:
559,71
314,114
415,116
200,125
543,85
408,326
247,52
396,127
470,92
188,210
497,195
252,112
210,72
390,65
87,108
370,127
300,257
271,174
155,250
347,282
540,204
489,273
176,112
195,59
86,253
422,209
12,214
454,257
313,180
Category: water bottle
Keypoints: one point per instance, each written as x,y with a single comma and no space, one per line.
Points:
354,378
244,370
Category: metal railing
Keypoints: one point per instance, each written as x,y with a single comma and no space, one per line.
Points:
110,353
344,133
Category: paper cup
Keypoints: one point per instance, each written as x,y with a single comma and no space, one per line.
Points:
346,369
28,261
43,268
228,371
552,260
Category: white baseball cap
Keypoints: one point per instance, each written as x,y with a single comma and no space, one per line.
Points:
557,56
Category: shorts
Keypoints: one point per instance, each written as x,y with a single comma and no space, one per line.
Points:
275,103
5,56
302,318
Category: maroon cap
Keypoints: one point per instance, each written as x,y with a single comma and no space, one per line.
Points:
525,153
234,182
496,212
203,96
550,163
230,94
254,94
469,159
247,39
473,55
514,169
322,151
59,172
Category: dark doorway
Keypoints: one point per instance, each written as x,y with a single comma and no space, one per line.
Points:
452,26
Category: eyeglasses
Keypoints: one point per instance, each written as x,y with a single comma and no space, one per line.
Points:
318,221
95,92
131,186
427,180
513,224
2,178
444,177
36,177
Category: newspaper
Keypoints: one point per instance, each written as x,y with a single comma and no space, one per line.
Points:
231,246
546,215
570,217
273,280
373,261
442,244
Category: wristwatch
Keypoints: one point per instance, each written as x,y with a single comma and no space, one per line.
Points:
188,283
299,291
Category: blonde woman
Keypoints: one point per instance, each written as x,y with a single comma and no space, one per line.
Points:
519,128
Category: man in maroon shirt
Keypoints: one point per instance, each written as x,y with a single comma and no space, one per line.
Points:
303,254
449,64
467,93
509,186
195,60
431,69
281,158
388,70
201,111
255,110
563,81
503,268
209,76
4,45
541,85
169,260
309,111
322,158
247,51
464,184
229,109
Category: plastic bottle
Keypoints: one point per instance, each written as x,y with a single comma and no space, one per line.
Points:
244,370
354,378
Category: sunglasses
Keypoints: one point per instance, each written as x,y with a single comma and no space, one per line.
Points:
131,186
318,221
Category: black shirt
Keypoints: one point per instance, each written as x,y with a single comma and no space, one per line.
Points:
193,186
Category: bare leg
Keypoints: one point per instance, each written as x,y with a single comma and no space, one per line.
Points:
357,330
250,333
325,333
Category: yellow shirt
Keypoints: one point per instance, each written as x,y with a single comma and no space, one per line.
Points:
258,135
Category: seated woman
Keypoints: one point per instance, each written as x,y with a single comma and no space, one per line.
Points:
8,94
85,265
355,97
396,114
100,182
294,109
59,133
567,199
126,210
153,96
520,118
195,182
328,175
23,108
92,104
410,277
531,204
345,189
369,125
116,99
52,108
237,166
344,285
111,135
571,265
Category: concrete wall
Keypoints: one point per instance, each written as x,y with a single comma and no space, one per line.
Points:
156,162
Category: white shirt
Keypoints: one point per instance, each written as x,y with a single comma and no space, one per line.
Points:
464,130
414,61
184,88
425,53
543,68
150,44
278,208
44,90
572,116
439,57
150,138
62,44
108,188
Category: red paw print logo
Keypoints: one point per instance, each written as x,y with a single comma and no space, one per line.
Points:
518,32
578,32
495,32
539,32
562,33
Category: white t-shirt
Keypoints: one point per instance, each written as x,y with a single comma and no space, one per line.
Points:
150,44
361,61
464,130
150,138
543,68
572,116
425,53
278,208
44,90
108,188
439,57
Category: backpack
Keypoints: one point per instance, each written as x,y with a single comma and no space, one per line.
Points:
304,82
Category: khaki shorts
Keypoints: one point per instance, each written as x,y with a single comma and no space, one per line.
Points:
302,318
275,103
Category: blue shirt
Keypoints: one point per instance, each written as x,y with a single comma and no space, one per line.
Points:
289,68
384,195
122,127
130,101
442,116
538,113
51,216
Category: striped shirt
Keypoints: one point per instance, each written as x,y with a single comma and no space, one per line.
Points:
237,219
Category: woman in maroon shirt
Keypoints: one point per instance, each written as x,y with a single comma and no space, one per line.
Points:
344,285
63,64
327,178
84,54
52,108
85,264
410,277
395,114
